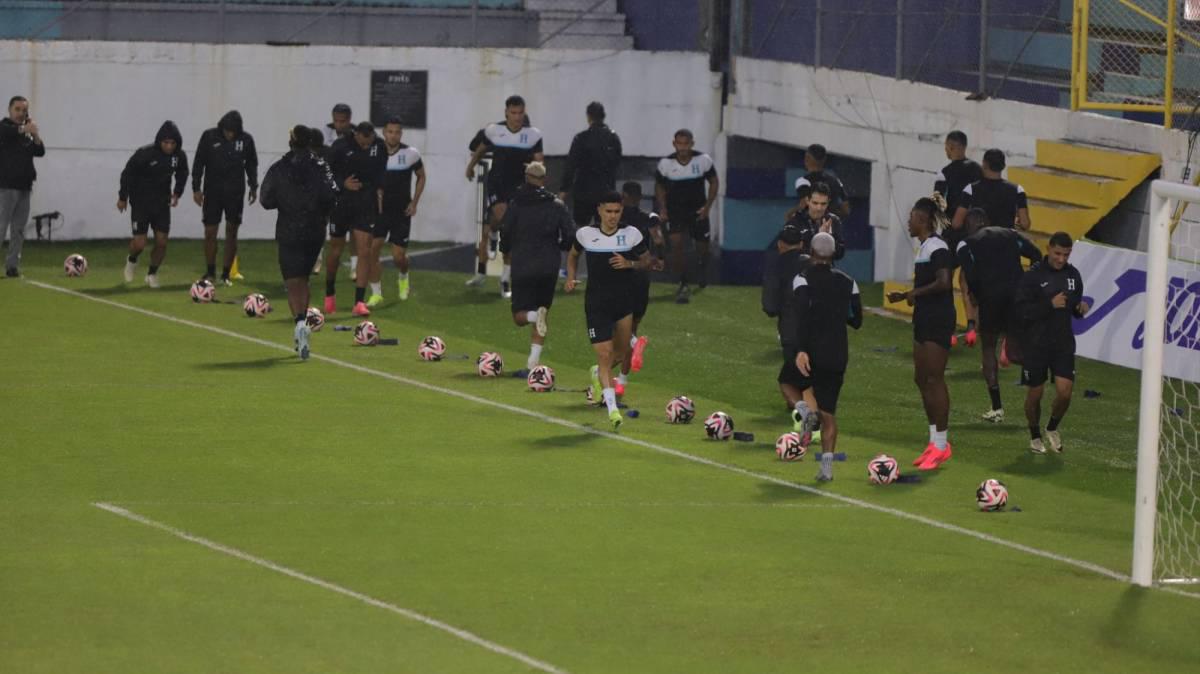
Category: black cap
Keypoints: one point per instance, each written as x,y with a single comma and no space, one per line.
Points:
341,109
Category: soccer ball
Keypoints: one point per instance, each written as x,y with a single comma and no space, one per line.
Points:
489,364
680,410
256,305
991,495
315,319
788,447
75,265
719,426
203,291
541,379
431,348
883,469
366,334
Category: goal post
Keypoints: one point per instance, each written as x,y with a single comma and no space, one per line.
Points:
1166,532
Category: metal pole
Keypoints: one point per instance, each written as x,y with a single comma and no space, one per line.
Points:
983,44
474,23
899,39
817,34
221,22
1169,80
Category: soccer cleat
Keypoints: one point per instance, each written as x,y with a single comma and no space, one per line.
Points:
1055,441
825,469
506,290
804,421
929,450
1003,348
330,305
618,388
360,309
227,282
130,268
541,326
237,276
937,458
683,295
1036,446
994,416
152,280
402,288
971,337
302,333
639,354
476,280
591,397
493,245
374,300
615,418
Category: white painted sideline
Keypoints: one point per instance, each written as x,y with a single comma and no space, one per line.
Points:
333,587
912,517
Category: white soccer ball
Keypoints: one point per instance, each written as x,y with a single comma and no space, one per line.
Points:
541,379
788,447
75,265
256,305
203,291
315,319
489,364
883,469
366,334
991,495
719,426
431,348
680,410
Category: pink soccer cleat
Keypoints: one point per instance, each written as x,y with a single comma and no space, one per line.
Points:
618,388
937,458
330,305
639,354
929,449
971,337
360,309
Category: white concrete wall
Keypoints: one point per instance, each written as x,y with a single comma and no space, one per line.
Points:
900,126
97,101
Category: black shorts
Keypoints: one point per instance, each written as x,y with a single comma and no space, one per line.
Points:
687,223
934,324
602,315
641,297
146,218
394,226
353,212
297,257
584,211
216,205
826,384
995,314
500,194
530,293
1038,361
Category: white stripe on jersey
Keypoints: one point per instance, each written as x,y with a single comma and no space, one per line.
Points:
928,247
695,169
404,159
854,290
1020,190
968,190
799,281
593,240
802,182
960,246
522,139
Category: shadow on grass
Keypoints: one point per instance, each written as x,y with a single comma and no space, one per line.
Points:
123,289
1030,464
565,441
260,364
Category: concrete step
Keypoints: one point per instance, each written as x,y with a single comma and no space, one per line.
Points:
1070,187
1096,160
581,24
605,7
1048,216
572,41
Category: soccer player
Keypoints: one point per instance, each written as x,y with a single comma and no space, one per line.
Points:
815,158
950,183
615,253
990,259
786,259
1005,203
1050,294
683,205
225,162
339,127
301,187
19,144
358,164
648,224
815,217
825,302
932,299
513,144
591,167
535,231
398,200
146,183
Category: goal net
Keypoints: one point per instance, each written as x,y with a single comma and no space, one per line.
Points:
1167,513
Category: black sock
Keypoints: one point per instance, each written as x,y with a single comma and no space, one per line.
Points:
481,268
359,294
1054,422
225,272
133,258
212,271
329,288
970,325
301,318
1035,433
994,392
152,270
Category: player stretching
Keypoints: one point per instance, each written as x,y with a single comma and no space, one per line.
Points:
398,201
648,225
615,253
825,301
1051,293
932,299
146,182
683,205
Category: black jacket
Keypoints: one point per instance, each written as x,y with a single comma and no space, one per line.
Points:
811,227
591,168
825,300
536,229
300,185
223,161
146,179
17,151
1044,325
991,261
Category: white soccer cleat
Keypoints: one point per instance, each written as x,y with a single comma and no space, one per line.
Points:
994,416
476,280
301,336
541,326
1055,441
130,269
152,280
506,290
1036,446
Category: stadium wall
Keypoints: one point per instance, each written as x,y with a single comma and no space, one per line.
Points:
98,101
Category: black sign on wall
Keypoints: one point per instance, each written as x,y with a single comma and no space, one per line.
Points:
399,93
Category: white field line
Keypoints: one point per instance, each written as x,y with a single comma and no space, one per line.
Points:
333,587
762,477
489,505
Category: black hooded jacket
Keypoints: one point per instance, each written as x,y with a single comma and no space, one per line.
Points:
146,180
17,151
300,185
591,168
219,163
536,229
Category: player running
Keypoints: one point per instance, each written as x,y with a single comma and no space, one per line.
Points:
615,253
146,183
358,163
1050,294
398,200
825,301
648,225
684,206
932,299
226,162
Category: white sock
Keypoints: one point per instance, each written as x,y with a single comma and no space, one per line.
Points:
535,356
633,341
939,439
354,262
377,288
610,399
507,273
531,316
403,275
932,432
623,379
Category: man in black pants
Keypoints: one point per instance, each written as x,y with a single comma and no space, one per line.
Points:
649,225
1050,295
535,231
683,205
591,167
785,259
825,301
225,162
358,164
301,186
146,183
20,142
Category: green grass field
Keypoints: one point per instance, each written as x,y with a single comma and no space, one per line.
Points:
514,515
